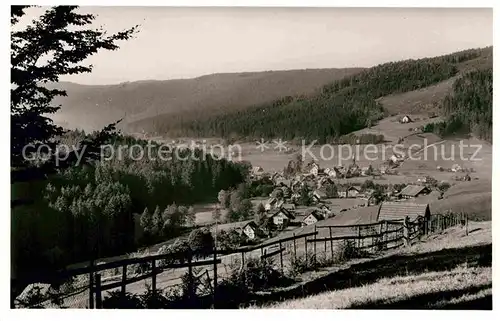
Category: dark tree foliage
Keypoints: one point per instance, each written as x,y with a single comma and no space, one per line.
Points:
337,109
86,211
51,46
469,109
54,44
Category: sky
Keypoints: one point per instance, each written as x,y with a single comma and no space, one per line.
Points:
190,42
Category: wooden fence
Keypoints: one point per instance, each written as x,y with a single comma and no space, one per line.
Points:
377,236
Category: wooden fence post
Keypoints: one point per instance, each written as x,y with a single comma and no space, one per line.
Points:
124,279
359,237
406,234
98,294
305,246
294,246
315,253
190,276
215,276
153,276
281,257
331,241
466,224
385,236
91,285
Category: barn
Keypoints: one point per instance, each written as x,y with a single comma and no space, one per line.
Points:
390,211
412,191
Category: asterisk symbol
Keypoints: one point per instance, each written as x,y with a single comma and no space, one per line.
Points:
262,145
280,145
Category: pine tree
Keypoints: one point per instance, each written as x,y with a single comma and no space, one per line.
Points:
216,214
157,222
147,221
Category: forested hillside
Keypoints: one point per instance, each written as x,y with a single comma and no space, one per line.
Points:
336,109
87,211
93,107
469,109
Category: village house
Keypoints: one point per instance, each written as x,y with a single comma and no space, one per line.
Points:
333,172
312,216
394,159
324,182
391,211
318,195
456,168
412,191
312,168
271,203
250,230
422,180
280,217
405,119
257,172
289,207
326,211
295,185
352,192
371,200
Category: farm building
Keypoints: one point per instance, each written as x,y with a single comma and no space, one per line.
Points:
271,203
250,230
405,119
325,181
289,207
257,171
312,216
352,191
327,212
412,191
390,211
318,195
283,182
280,217
312,169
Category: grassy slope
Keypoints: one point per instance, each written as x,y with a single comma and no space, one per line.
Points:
452,287
443,287
95,106
429,99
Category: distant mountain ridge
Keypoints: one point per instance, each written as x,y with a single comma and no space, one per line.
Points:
337,108
91,107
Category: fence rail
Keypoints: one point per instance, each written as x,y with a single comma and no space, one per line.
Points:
377,236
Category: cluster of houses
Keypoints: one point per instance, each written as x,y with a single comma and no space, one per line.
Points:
313,170
280,208
280,214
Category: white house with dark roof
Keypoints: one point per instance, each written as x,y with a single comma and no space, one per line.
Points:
311,216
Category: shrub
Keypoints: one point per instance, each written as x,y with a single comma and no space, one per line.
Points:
444,186
117,300
201,241
347,250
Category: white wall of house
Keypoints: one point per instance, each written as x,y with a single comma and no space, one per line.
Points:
352,193
279,219
249,232
310,219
